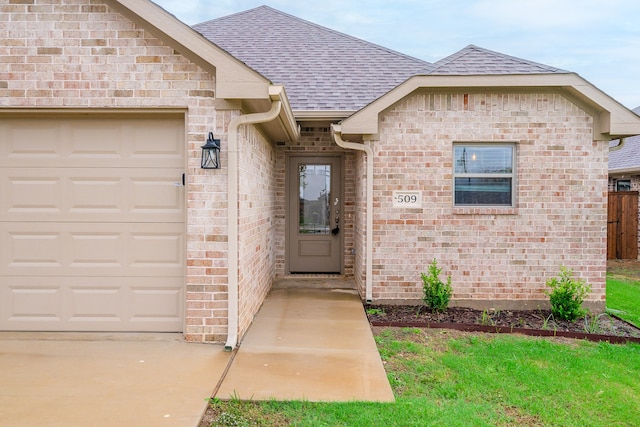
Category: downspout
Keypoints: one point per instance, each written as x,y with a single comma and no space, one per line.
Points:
337,136
232,215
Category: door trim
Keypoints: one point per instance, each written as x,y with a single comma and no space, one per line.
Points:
287,252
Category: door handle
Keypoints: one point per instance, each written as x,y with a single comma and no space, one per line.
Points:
336,230
178,184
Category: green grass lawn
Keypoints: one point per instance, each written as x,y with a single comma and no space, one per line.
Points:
457,379
623,298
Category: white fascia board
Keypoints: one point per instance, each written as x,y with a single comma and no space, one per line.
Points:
287,117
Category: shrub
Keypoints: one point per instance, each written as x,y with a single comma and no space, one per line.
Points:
436,293
566,295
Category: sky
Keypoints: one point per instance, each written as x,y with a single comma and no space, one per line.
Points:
598,39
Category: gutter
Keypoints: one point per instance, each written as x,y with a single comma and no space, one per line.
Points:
619,146
232,215
336,130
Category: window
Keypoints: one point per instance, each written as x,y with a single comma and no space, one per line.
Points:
623,185
484,174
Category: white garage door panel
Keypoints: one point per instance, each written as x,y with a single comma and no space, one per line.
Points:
88,249
92,212
79,194
100,142
92,303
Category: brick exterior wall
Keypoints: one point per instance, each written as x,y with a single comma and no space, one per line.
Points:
497,257
81,53
256,252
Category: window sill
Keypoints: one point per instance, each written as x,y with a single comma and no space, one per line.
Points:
485,210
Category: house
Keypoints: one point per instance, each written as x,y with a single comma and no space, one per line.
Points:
624,183
337,157
624,163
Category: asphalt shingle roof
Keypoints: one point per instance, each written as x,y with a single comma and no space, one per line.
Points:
628,157
323,69
476,60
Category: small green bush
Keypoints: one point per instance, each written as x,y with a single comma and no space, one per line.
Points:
436,293
566,295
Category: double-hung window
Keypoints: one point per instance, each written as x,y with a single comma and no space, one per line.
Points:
484,174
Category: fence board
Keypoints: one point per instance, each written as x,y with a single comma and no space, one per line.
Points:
622,225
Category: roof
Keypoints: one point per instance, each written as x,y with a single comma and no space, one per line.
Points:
322,69
328,73
628,157
476,60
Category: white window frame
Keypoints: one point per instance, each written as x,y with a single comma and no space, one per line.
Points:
512,175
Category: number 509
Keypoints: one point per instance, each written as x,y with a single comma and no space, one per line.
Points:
406,198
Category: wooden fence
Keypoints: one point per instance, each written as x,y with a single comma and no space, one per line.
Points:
622,225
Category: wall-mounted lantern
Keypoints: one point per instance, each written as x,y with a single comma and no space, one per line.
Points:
211,153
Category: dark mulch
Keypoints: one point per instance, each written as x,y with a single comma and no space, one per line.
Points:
500,320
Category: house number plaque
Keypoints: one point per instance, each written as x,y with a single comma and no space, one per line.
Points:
407,199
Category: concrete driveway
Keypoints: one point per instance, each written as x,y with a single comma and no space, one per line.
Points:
305,343
105,379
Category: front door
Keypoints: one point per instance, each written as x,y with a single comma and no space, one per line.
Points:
314,214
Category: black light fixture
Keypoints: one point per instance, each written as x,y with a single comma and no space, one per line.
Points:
211,153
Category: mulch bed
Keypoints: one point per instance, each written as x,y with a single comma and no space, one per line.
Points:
530,322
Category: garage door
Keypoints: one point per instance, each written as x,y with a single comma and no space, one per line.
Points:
92,223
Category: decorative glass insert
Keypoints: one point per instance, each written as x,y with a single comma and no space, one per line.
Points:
483,174
315,195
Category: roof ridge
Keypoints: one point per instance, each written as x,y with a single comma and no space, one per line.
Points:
233,15
449,59
473,48
322,28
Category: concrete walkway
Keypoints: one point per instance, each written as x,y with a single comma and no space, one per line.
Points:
308,343
305,343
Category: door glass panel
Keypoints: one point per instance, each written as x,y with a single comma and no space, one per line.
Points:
315,192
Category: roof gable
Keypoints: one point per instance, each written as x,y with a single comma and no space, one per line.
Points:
234,80
611,119
476,60
322,69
